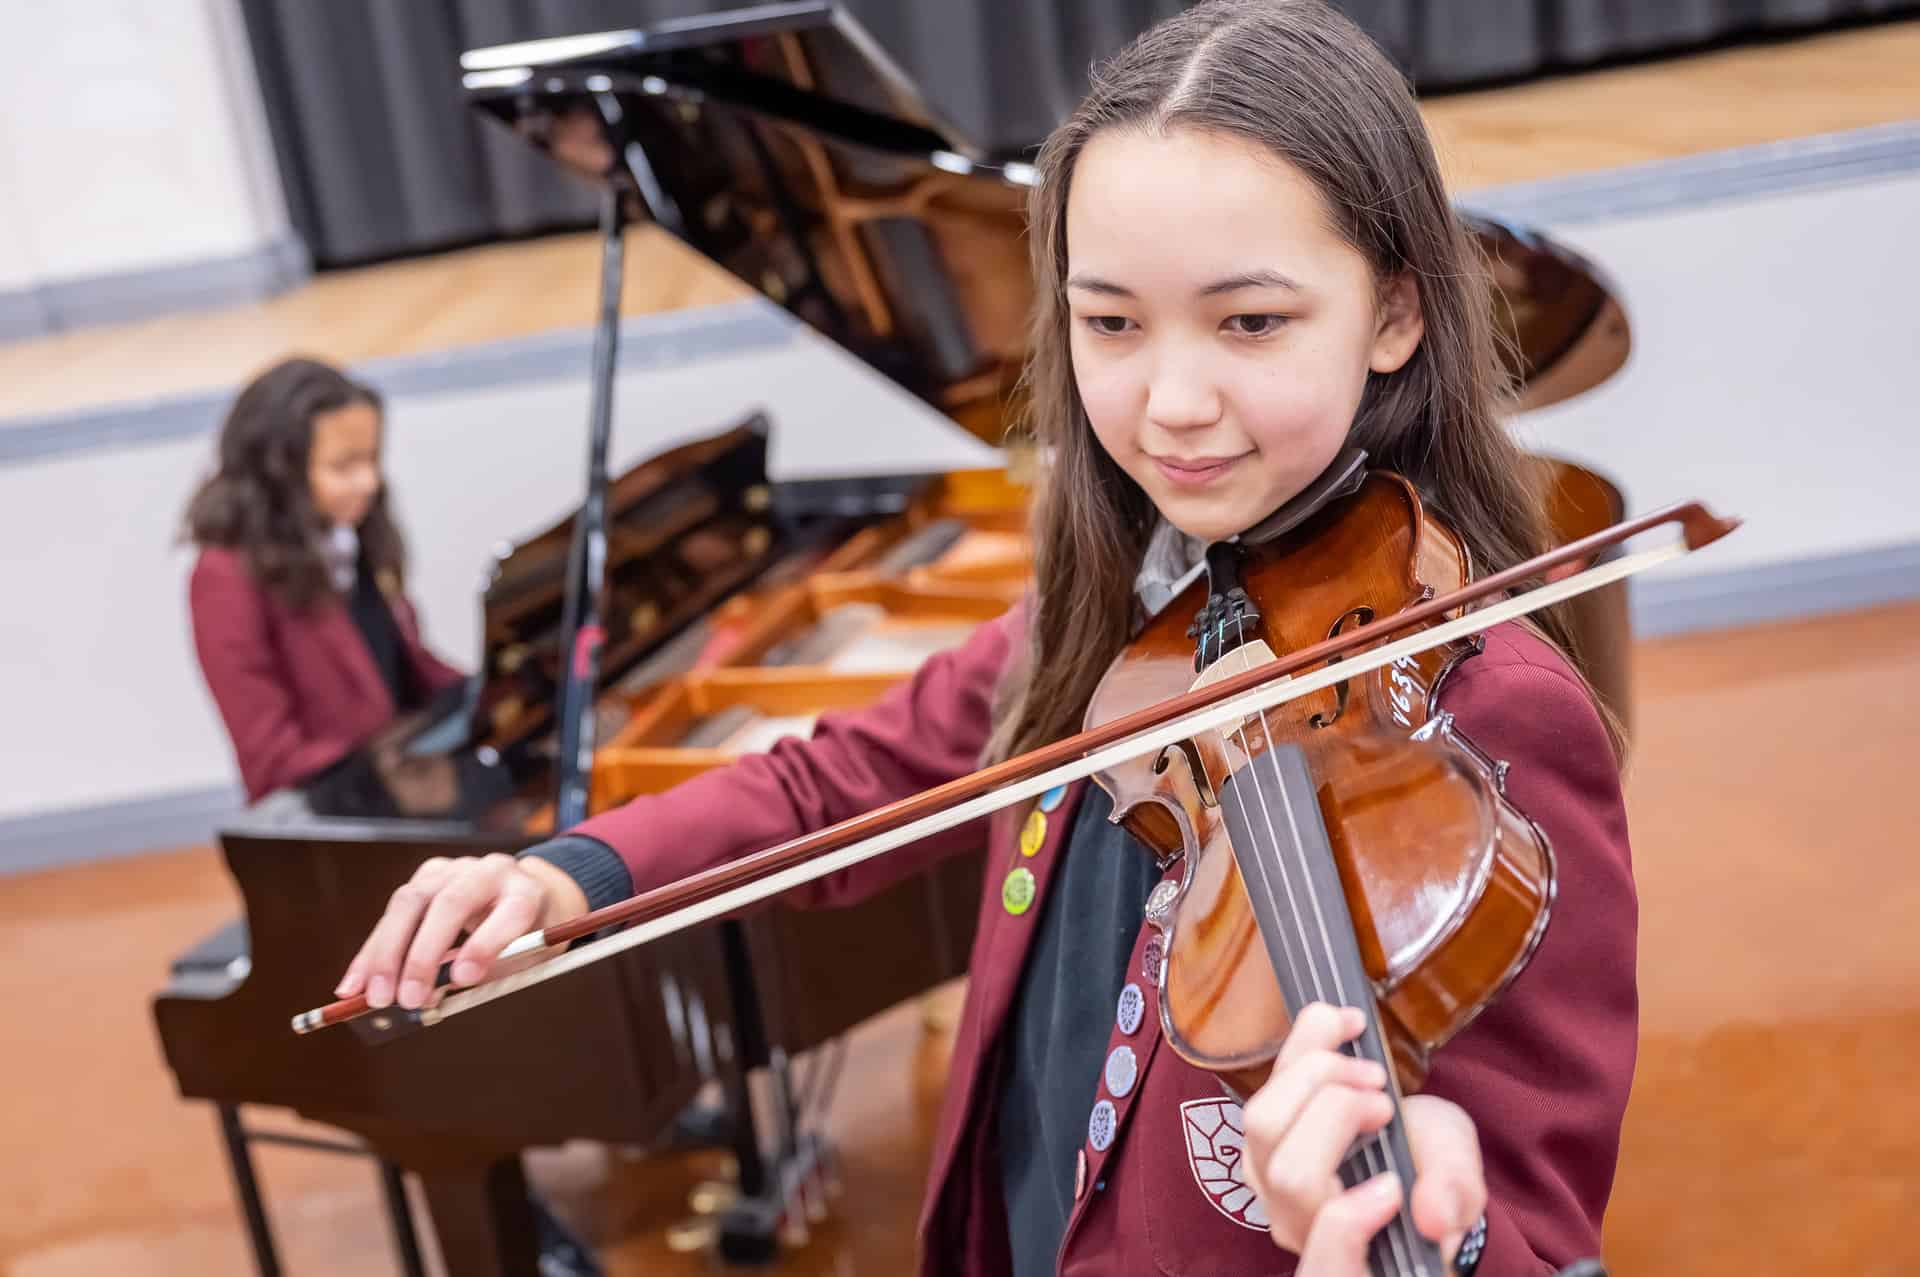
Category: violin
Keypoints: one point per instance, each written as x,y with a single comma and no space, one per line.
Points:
1348,847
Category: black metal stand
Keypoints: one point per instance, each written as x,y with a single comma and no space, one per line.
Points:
784,1194
247,1187
749,1052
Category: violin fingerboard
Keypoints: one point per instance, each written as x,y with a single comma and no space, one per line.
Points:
1286,861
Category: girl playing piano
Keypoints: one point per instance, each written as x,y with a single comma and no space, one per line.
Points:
300,620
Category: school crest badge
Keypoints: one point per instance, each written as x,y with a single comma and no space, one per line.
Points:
1216,1139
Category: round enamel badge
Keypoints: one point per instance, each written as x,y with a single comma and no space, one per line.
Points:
1033,833
1016,893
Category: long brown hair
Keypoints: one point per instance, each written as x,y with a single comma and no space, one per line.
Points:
1301,80
258,500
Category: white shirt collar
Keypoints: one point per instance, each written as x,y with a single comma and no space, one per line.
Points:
1172,560
341,550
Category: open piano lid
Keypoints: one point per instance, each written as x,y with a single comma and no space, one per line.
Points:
784,143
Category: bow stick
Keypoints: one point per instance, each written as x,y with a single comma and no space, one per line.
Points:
732,886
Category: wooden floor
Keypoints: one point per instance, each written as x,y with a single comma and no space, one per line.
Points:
1772,1127
1685,106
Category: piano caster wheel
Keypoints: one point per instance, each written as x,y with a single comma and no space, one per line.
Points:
712,1197
749,1234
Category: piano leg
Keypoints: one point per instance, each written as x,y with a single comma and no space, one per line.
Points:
248,1189
483,1218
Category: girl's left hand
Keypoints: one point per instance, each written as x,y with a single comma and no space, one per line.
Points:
1301,1124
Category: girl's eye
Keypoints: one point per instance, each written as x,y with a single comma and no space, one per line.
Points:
1255,325
1107,325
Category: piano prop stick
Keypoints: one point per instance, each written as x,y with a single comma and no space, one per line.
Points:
583,629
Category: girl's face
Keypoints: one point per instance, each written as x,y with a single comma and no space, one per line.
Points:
1222,331
343,465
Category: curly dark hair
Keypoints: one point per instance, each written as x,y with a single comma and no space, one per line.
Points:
258,501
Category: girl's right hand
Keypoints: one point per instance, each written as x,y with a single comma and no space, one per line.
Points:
495,899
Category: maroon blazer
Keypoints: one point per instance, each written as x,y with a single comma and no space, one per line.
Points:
1544,1072
297,690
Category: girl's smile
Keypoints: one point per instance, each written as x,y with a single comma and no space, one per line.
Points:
1197,472
1220,345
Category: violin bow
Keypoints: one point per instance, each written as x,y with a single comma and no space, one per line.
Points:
727,888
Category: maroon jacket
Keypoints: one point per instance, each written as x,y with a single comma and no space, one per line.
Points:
1544,1072
297,690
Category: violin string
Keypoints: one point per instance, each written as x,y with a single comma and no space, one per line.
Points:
1367,1151
1373,1156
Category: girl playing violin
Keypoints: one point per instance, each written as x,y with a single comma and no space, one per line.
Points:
1246,266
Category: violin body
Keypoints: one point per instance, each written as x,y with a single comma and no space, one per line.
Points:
1447,885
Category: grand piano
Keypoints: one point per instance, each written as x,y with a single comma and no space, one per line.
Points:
784,144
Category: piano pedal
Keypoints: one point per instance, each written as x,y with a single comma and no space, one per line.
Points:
689,1236
813,1199
830,1169
712,1196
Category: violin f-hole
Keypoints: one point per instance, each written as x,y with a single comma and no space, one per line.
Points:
1191,752
1359,616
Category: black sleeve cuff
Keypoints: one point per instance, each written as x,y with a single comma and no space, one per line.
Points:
598,869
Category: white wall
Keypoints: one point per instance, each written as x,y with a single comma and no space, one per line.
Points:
19,266
131,138
1773,349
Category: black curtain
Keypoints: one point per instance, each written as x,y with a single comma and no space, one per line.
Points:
380,156
1456,44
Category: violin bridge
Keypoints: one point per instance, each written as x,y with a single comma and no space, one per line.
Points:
1248,655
